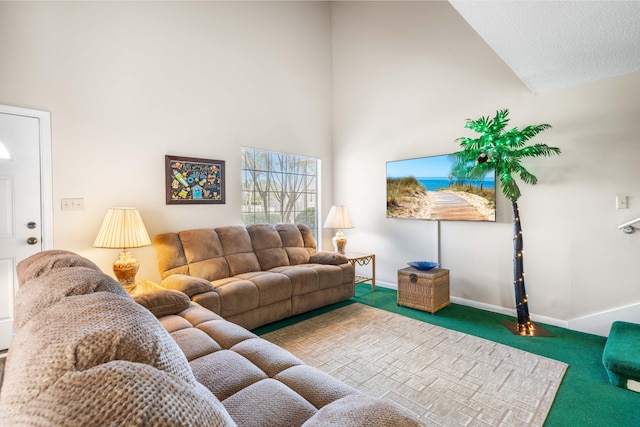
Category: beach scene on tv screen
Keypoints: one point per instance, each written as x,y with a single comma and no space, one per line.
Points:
430,188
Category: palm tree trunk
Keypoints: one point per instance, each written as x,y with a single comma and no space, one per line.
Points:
522,306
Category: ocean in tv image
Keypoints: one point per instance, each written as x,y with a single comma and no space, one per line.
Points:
440,183
427,188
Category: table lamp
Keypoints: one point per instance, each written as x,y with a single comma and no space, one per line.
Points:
123,228
338,218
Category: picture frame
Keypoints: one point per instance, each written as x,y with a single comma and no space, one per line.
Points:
193,181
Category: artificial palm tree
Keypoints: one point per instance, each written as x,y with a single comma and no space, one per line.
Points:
502,151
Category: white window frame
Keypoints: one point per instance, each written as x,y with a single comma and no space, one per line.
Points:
263,203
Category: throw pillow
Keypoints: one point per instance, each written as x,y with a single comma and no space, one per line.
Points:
330,258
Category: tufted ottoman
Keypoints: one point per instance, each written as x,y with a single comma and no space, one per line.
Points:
621,356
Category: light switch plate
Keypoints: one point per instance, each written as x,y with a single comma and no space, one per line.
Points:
72,204
621,202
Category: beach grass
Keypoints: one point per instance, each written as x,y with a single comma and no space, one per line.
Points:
400,188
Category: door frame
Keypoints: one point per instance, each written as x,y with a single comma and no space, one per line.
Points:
46,186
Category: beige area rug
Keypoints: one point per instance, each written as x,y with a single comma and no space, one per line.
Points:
445,377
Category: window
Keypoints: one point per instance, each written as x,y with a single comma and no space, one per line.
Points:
278,187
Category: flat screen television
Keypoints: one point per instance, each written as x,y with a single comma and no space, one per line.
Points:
429,188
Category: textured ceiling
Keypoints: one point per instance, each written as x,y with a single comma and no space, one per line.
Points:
556,44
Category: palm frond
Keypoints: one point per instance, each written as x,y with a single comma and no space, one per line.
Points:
526,176
458,158
537,150
531,131
500,121
470,143
481,169
466,157
480,125
509,186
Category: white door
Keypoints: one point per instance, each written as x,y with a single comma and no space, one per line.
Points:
22,218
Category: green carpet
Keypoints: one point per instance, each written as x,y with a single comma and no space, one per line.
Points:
585,397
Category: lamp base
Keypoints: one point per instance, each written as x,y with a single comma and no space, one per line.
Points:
527,330
125,268
339,242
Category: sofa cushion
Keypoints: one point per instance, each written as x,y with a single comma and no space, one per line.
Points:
210,300
307,238
273,257
236,296
242,263
304,278
163,302
210,269
41,292
318,387
290,235
123,393
272,287
297,256
43,262
195,343
267,246
235,239
279,405
238,249
81,332
232,373
293,243
204,253
200,244
270,358
362,410
225,333
170,255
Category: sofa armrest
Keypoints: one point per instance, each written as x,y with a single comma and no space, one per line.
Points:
163,302
330,258
363,410
187,284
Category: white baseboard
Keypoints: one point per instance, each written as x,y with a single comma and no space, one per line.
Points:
596,324
387,285
510,312
497,309
600,323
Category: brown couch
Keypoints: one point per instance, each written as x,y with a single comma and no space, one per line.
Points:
254,275
86,353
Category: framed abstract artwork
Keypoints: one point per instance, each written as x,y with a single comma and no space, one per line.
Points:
192,181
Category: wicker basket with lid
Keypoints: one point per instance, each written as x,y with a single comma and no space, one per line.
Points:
426,290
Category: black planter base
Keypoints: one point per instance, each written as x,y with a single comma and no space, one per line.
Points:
530,330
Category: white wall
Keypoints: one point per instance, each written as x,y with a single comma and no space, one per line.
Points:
406,76
127,83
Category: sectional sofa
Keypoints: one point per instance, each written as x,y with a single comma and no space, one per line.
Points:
87,353
253,275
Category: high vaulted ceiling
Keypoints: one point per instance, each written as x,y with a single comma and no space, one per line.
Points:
556,44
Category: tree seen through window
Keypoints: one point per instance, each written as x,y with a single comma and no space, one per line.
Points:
279,187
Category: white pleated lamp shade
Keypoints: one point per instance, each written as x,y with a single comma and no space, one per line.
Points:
122,228
338,218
